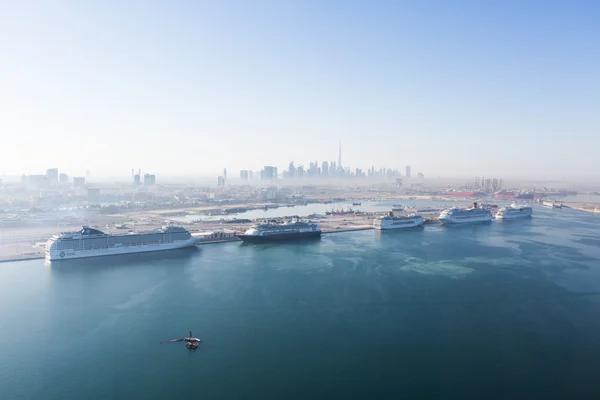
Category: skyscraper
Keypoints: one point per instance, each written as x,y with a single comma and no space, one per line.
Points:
324,168
269,173
149,180
52,176
408,171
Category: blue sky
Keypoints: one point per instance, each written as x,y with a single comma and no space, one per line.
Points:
463,88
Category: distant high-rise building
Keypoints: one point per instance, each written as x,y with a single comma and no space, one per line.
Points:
52,176
495,184
220,181
324,168
79,182
137,181
420,175
149,180
224,176
408,171
269,173
244,175
63,179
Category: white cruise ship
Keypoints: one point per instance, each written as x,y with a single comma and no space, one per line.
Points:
457,215
514,211
90,242
392,222
289,230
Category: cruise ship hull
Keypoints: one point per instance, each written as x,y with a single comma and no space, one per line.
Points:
54,255
385,225
275,238
466,220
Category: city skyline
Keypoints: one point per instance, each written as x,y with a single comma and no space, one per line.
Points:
455,88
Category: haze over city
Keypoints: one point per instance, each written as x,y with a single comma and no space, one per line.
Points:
186,89
296,199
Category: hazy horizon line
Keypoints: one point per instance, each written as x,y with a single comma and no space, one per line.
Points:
166,177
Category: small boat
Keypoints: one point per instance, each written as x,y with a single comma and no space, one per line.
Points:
192,345
356,204
190,342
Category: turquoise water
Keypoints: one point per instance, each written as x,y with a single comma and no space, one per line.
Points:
494,310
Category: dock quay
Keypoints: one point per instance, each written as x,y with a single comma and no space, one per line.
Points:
21,249
25,241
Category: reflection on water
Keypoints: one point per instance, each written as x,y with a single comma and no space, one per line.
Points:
177,256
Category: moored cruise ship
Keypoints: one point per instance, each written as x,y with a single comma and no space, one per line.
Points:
457,215
289,230
392,222
90,242
514,211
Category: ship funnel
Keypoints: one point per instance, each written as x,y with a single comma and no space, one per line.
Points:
474,205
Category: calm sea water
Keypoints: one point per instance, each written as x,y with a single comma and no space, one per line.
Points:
499,310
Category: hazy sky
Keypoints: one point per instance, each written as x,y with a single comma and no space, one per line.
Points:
451,87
